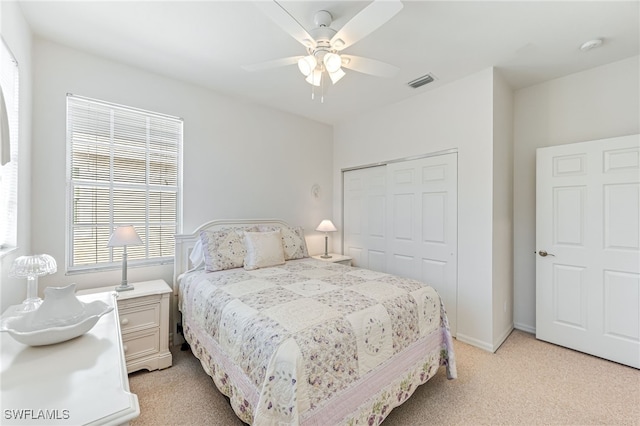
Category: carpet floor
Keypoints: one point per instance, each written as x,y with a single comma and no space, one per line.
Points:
526,382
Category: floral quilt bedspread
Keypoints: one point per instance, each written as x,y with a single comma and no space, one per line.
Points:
307,330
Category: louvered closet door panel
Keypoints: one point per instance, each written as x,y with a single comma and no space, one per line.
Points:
422,224
364,217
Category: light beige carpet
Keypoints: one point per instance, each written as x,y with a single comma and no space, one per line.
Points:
526,382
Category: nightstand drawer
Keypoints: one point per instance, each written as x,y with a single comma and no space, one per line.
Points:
144,324
141,343
139,317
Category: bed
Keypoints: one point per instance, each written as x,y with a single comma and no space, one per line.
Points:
294,340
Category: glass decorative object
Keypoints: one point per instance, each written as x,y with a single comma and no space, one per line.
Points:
32,267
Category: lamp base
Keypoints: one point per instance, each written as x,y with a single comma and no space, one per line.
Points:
124,287
326,256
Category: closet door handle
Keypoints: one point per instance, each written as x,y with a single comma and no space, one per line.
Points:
543,253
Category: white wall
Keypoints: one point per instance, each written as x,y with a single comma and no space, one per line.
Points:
458,115
246,161
600,103
502,210
17,35
240,160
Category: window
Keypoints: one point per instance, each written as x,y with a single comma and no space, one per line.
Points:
123,168
9,118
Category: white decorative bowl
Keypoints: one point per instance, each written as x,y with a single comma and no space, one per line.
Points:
60,317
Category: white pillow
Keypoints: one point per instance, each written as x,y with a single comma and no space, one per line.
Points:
263,249
293,242
197,254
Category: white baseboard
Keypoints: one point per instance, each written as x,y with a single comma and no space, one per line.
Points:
490,347
474,342
524,327
502,337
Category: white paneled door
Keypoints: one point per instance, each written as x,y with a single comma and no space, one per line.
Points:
365,192
588,247
402,218
422,224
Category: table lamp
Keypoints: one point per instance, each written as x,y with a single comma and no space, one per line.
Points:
124,236
326,226
32,267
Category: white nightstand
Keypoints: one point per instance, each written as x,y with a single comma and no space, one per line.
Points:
335,258
144,322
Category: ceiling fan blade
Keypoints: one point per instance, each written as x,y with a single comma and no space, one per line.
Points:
288,23
272,64
369,66
365,22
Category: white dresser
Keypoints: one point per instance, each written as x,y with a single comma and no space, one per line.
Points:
82,381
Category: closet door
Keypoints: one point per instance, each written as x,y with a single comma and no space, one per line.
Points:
422,224
364,223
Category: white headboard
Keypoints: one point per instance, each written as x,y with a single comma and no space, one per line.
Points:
184,246
185,242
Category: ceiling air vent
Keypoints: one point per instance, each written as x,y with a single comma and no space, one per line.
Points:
421,81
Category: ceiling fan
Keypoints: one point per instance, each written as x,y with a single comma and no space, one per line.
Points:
324,45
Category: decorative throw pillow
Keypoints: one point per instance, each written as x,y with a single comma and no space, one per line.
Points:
295,246
293,242
223,249
263,249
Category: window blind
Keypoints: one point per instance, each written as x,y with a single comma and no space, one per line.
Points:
124,168
9,84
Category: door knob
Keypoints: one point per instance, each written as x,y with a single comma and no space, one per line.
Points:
545,254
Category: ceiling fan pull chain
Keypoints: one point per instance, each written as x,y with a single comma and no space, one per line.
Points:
322,88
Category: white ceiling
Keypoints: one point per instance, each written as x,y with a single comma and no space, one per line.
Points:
207,42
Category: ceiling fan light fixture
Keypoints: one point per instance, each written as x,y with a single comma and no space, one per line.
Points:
307,64
336,75
314,78
324,44
332,62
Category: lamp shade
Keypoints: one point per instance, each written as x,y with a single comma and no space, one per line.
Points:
33,266
315,78
326,226
307,64
336,76
332,62
124,236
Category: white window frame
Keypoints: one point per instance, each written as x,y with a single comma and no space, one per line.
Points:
10,84
116,252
